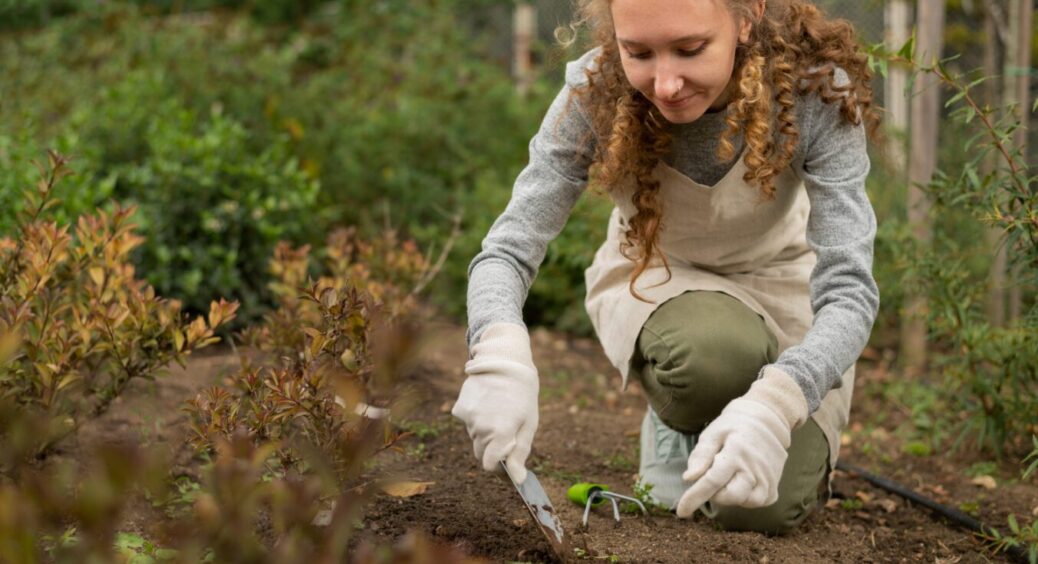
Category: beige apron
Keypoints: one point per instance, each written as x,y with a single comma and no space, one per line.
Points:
723,238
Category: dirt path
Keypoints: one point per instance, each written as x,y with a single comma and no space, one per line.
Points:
589,432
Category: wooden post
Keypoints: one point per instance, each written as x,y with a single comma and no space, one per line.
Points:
925,110
897,20
524,32
996,300
1018,92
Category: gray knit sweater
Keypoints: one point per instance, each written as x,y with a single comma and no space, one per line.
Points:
830,158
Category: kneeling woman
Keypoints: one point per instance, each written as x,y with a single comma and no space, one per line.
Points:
735,280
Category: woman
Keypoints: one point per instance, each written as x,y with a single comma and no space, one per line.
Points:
735,281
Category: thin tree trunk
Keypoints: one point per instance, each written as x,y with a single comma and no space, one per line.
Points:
1018,92
996,302
897,19
524,32
925,110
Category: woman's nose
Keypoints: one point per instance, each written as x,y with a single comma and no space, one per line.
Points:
668,83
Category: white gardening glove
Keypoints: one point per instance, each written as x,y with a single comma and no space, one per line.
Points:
498,401
739,457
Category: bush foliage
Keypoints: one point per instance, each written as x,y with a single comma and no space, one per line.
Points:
343,118
325,361
76,325
286,446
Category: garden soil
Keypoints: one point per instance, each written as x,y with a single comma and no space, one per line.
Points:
589,432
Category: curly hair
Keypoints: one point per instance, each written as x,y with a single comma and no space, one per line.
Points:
794,49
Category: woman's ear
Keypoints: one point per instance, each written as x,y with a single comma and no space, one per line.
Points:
746,26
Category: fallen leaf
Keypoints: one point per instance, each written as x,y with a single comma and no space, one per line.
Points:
939,490
888,505
864,497
1035,511
406,489
880,433
832,503
985,481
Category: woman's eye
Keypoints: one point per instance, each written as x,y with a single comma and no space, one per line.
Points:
691,52
640,56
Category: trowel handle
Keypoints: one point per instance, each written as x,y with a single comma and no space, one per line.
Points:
579,493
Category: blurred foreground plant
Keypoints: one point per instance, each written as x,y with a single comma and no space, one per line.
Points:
323,376
71,514
292,435
76,326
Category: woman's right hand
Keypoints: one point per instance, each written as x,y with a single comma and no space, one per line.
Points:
498,401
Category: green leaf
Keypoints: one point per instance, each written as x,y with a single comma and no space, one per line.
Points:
972,174
166,554
956,98
129,541
907,50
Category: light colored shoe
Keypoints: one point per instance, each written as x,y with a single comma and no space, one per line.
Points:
664,457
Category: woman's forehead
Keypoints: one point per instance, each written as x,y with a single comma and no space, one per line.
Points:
667,21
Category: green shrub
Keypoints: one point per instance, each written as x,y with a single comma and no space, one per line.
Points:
212,210
15,14
990,372
395,130
79,193
76,326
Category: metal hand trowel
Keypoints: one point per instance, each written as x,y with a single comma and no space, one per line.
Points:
544,515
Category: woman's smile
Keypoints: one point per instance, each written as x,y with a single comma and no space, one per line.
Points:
676,104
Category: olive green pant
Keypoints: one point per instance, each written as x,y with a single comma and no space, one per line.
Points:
697,352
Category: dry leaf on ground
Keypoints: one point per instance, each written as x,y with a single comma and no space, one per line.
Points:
888,505
985,481
406,489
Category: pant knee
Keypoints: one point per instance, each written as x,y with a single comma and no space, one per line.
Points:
698,352
801,489
777,519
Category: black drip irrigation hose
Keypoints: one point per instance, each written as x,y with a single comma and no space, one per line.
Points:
1017,553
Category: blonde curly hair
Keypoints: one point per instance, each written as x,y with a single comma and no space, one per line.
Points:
794,49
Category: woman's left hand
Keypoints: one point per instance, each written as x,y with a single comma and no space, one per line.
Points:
739,457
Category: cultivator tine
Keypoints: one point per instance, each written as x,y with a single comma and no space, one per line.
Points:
612,497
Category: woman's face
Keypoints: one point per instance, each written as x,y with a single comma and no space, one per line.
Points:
679,53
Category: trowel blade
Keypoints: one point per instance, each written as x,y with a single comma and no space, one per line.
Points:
544,515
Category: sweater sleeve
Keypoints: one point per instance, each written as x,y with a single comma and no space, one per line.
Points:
543,196
841,230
